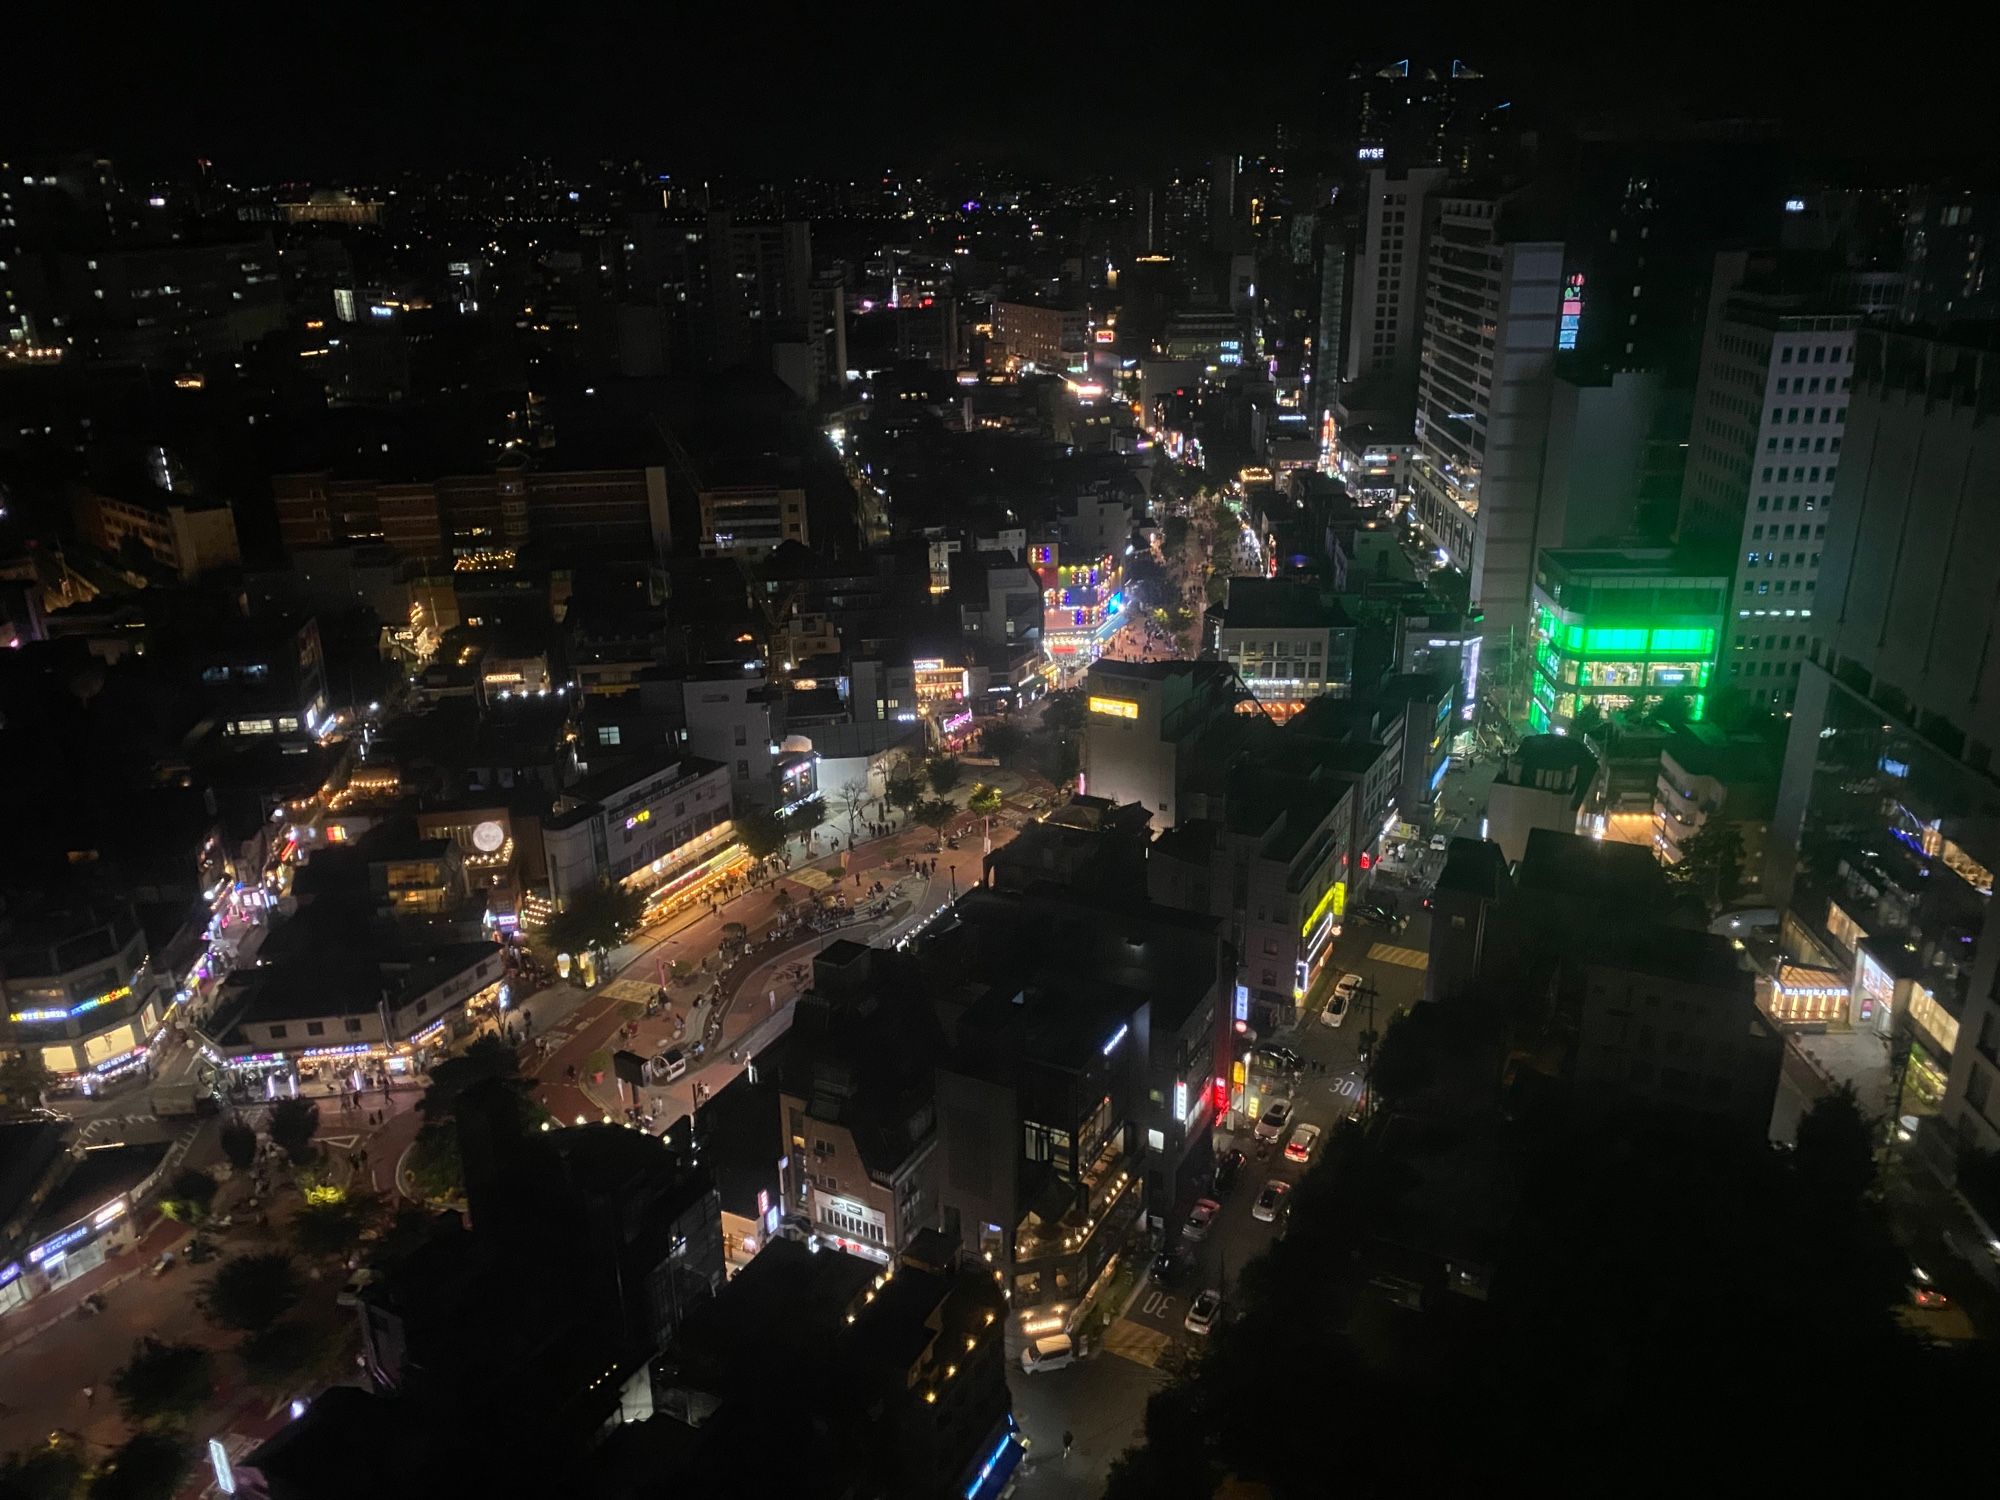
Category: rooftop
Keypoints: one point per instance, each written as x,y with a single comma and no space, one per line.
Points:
1278,604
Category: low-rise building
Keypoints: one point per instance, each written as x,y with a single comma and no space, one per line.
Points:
1546,782
749,520
1619,630
853,1076
658,824
1669,1018
332,1001
79,989
1707,781
1288,642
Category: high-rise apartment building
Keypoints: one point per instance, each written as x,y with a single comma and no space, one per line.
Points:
1950,259
1770,414
1887,829
759,277
1492,310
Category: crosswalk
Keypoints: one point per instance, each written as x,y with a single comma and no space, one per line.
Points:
1409,958
1134,1341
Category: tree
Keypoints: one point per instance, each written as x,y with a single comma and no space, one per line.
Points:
933,813
250,1292
762,832
292,1125
163,1384
942,773
598,916
433,1164
1711,864
983,800
489,1057
782,900
853,799
189,1195
239,1143
146,1466
1835,1154
904,791
804,818
1003,741
23,1079
1063,711
331,1225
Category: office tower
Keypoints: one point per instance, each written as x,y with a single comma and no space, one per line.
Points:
1493,299
1385,330
1887,828
1222,175
1770,414
1949,257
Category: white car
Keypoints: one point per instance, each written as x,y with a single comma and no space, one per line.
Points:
1201,1315
1271,1202
1300,1146
1201,1219
1335,1011
1277,1115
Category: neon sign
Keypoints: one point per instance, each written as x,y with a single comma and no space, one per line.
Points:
1116,1037
1572,312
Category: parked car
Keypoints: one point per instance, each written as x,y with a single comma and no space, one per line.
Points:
1336,1010
1050,1353
1349,986
1169,1263
1281,1059
1924,1292
1440,842
1201,1219
1271,1202
1228,1167
1300,1146
1277,1115
1202,1314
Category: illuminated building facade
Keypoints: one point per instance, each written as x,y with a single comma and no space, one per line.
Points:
1083,603
659,825
79,993
1622,630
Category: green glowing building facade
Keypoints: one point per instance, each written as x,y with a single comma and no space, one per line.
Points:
1623,629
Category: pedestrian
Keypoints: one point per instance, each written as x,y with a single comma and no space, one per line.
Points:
1069,1441
90,1395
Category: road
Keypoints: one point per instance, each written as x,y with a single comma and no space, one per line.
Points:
1102,1400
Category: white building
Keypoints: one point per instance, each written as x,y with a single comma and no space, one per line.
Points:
649,823
1492,310
1770,412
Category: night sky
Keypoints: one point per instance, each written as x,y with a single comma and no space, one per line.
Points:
370,86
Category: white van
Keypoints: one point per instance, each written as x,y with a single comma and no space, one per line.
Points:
1050,1353
667,1066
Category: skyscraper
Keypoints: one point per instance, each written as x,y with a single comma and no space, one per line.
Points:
1887,829
1493,301
1770,414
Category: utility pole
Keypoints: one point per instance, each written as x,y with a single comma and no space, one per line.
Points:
1368,1041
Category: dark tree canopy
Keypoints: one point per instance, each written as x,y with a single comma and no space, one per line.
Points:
293,1124
163,1383
251,1292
